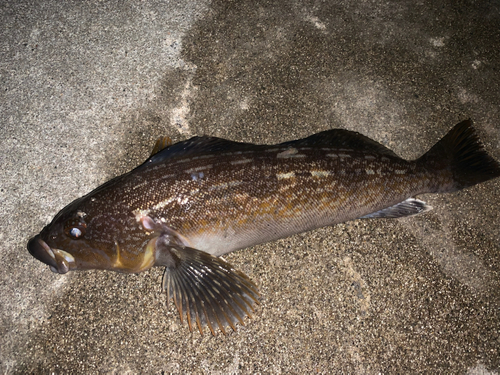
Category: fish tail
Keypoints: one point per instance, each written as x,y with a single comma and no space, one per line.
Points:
459,160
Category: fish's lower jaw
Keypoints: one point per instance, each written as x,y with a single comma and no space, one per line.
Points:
58,260
65,261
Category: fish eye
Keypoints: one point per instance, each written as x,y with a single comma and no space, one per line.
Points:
75,232
75,229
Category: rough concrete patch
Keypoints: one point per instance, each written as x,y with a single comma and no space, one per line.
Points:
89,87
436,232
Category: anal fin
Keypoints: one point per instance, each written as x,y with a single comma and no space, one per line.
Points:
205,289
409,207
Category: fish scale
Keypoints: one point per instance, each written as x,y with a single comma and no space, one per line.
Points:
195,200
291,187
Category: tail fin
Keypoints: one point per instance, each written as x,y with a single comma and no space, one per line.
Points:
460,160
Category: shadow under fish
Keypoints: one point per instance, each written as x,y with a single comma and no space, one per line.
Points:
193,201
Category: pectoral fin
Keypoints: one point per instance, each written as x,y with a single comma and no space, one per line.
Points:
205,289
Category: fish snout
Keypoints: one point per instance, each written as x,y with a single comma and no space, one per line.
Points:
41,251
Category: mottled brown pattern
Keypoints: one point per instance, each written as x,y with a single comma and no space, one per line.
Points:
222,195
252,196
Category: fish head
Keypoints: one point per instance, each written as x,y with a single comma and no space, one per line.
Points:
64,244
87,235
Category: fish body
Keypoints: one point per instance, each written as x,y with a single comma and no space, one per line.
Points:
196,200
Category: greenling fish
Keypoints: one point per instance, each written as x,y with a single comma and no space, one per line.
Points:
193,201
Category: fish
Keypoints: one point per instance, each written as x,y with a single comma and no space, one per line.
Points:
193,201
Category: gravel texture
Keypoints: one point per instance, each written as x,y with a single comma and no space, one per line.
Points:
86,88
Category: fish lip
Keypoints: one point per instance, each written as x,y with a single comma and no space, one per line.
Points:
51,257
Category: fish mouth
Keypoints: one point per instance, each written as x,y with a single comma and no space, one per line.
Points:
59,261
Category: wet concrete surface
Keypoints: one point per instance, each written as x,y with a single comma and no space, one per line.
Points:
88,86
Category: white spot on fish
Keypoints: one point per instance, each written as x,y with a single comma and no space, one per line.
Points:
182,200
159,206
282,176
290,153
203,157
235,183
140,214
241,161
320,173
197,176
165,177
287,153
200,168
218,186
225,185
138,186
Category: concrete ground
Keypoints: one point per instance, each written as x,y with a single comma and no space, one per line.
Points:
86,88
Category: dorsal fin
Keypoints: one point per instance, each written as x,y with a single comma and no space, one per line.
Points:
341,138
161,143
199,146
335,138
